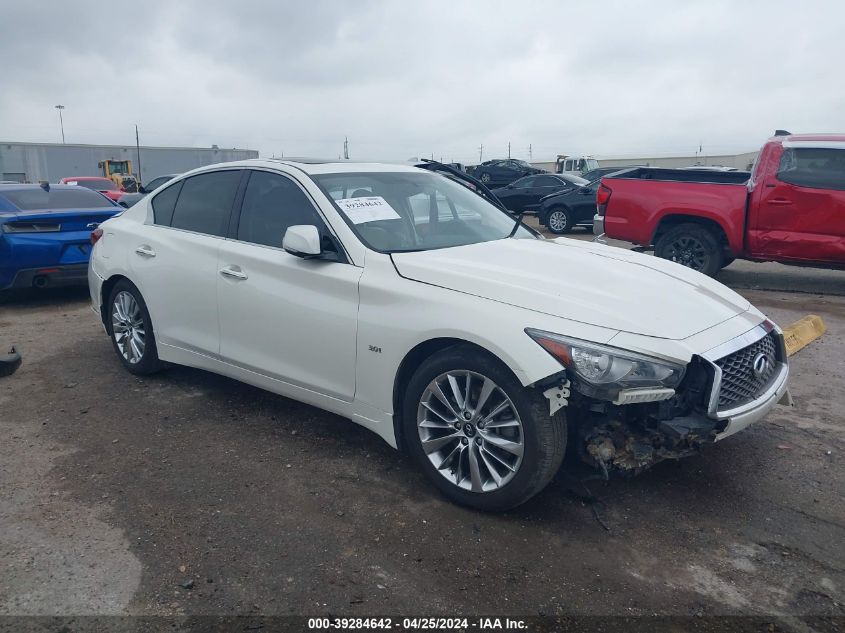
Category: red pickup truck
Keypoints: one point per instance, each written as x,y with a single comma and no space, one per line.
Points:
790,210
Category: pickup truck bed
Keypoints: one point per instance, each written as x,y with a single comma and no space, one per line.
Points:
704,176
673,194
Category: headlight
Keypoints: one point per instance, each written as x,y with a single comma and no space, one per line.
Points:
603,372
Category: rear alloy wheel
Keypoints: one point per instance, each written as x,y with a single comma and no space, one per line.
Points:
131,330
480,437
559,221
693,246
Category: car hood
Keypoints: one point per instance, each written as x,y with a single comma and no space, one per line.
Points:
581,281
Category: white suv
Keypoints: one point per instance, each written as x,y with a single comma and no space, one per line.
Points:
408,303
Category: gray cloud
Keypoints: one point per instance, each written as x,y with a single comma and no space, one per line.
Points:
404,79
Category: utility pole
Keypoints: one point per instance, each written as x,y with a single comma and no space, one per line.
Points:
346,148
480,152
530,154
138,150
61,121
509,149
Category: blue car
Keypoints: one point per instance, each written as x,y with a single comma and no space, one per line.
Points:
45,233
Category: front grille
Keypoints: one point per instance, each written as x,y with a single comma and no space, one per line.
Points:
740,383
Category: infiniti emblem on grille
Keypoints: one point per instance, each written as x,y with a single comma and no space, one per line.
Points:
761,364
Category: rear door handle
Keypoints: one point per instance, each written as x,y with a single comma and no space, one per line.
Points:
234,272
145,251
779,201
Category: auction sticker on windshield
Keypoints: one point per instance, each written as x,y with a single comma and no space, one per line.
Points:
369,209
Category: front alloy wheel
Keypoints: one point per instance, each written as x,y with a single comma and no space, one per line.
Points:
470,431
480,437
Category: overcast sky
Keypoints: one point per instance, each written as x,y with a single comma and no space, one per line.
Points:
412,78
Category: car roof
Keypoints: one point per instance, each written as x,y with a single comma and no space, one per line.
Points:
85,178
811,140
314,166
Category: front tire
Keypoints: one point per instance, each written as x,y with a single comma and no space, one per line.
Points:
559,221
693,246
131,330
479,436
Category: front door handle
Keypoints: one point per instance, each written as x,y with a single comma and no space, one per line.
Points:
145,251
779,201
234,272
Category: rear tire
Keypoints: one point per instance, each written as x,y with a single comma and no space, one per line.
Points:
131,330
559,221
521,443
693,246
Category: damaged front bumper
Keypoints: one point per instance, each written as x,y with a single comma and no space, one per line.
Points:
735,420
631,438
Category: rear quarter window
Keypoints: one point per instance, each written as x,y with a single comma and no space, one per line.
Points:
819,168
164,203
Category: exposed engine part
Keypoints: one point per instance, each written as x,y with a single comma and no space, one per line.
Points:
10,362
620,446
558,396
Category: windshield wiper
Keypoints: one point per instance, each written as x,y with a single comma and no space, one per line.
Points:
517,223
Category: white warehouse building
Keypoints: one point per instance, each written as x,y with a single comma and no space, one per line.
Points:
36,162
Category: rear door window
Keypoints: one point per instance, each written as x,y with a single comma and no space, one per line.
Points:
205,202
548,181
816,167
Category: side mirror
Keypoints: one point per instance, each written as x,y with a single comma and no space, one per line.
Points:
302,240
142,189
585,190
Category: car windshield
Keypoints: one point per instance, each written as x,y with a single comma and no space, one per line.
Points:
591,164
100,184
37,199
409,211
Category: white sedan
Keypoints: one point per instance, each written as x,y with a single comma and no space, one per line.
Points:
410,304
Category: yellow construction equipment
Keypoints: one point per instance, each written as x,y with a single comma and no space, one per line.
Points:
120,171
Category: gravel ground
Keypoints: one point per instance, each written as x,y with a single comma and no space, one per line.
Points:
188,493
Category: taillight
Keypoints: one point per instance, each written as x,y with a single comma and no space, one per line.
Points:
96,234
602,198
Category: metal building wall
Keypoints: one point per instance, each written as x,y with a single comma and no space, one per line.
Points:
50,162
740,161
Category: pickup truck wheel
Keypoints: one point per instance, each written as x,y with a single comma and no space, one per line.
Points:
693,246
559,221
480,437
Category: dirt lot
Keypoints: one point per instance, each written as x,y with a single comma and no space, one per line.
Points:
188,493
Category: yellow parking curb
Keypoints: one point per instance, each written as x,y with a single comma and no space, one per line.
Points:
803,332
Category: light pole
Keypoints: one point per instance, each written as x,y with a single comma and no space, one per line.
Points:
61,121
